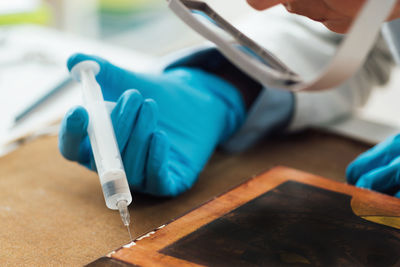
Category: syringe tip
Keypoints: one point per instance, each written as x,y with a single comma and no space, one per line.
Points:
129,232
125,216
124,212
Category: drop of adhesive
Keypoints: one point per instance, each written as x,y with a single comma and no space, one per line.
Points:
129,245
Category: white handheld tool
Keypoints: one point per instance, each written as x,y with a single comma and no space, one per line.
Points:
102,138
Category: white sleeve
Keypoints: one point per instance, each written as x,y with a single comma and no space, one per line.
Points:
322,107
391,32
306,46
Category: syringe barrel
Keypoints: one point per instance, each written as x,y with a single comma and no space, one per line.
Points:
102,137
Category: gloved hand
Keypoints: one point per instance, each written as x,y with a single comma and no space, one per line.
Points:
379,168
166,129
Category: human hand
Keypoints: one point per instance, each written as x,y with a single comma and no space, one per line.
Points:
336,15
379,168
166,129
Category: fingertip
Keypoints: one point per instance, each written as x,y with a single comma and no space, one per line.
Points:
364,182
148,115
131,95
73,132
76,120
350,174
147,119
130,99
151,106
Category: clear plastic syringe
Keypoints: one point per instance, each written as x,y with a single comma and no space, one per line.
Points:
102,138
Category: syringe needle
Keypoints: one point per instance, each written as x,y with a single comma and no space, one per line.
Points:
126,218
129,232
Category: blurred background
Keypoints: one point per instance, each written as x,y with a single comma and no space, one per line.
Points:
37,36
144,25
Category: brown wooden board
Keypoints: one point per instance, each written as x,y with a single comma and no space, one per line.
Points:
282,217
52,211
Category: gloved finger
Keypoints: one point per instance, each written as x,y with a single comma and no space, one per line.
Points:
105,77
136,151
384,179
73,141
163,177
397,194
380,155
113,80
157,178
124,116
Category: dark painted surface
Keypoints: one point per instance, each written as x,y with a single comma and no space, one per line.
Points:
109,262
292,225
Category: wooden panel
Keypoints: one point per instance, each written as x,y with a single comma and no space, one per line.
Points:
281,217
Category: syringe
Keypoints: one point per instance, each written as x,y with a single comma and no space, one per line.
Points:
104,145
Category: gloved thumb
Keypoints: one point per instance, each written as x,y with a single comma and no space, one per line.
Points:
114,81
107,70
79,57
73,141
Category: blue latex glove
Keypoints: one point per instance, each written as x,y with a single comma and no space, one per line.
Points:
379,168
166,129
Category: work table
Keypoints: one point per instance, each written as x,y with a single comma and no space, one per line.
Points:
53,212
